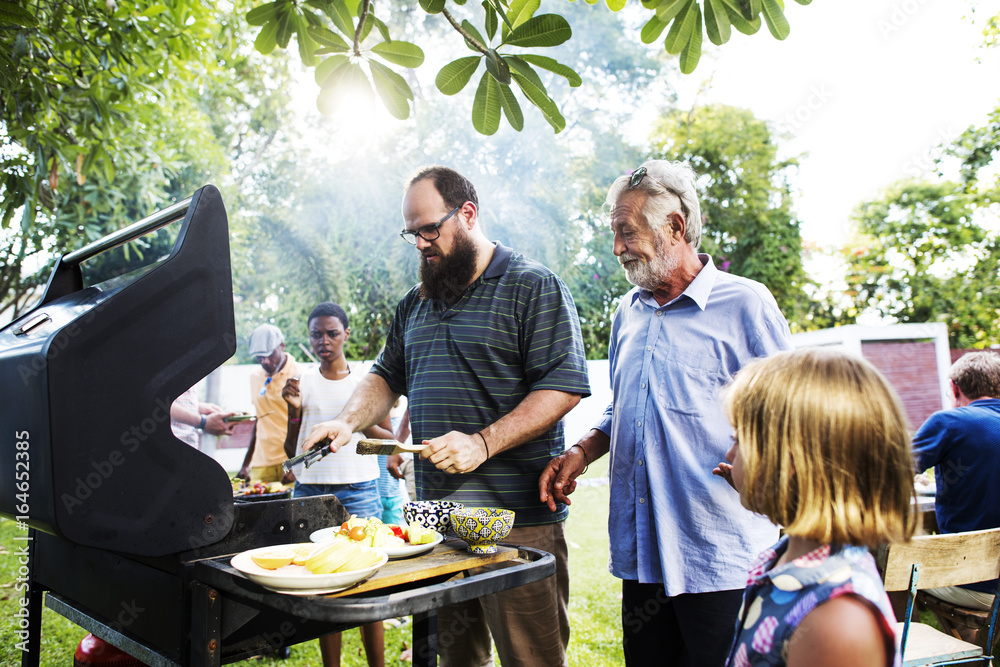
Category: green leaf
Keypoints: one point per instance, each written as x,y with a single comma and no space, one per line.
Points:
717,23
652,30
486,106
352,7
775,19
285,22
307,47
747,10
432,6
520,11
544,30
511,108
400,53
454,76
501,8
383,29
492,23
740,23
341,16
471,29
680,31
497,67
328,39
366,29
16,14
692,52
256,16
554,66
616,5
268,38
330,70
533,88
392,89
668,10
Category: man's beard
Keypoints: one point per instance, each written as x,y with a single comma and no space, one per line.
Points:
446,279
650,275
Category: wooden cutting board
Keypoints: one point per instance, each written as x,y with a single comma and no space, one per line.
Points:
449,557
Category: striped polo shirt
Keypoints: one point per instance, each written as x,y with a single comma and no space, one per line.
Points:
515,330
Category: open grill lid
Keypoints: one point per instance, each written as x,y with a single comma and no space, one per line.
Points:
88,379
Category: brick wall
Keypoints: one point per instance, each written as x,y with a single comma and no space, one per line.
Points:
911,368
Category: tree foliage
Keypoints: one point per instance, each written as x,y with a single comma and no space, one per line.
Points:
355,38
749,228
110,112
925,258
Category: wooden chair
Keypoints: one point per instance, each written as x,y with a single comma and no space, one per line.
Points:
934,561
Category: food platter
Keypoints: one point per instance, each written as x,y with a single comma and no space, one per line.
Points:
296,579
405,550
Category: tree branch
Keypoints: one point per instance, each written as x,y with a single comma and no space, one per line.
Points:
465,33
366,4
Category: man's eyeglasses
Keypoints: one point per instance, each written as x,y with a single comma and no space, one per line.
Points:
427,232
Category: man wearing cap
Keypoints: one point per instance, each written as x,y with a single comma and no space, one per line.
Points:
266,452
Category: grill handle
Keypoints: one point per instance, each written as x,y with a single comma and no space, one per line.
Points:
130,233
67,277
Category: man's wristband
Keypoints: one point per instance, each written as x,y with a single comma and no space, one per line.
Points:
484,443
201,424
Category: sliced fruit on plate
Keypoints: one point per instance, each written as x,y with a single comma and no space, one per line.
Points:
302,553
272,559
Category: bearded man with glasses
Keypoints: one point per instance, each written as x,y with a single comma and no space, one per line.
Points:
488,350
680,540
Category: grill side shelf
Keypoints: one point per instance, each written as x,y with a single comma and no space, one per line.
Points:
400,588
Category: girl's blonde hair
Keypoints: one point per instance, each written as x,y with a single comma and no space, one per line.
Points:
824,447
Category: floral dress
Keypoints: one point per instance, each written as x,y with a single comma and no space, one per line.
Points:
778,598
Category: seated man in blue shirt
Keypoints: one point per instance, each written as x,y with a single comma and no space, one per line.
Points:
680,539
963,447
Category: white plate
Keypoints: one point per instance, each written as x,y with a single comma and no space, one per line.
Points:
404,550
296,578
306,591
925,489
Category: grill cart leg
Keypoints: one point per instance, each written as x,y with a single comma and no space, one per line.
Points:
206,623
425,639
33,595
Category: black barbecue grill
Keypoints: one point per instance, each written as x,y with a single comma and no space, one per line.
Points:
132,529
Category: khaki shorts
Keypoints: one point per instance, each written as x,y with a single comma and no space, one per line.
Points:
529,624
267,474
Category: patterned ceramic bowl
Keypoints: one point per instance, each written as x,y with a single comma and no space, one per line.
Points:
482,527
433,514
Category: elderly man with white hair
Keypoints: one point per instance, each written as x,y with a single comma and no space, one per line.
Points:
679,538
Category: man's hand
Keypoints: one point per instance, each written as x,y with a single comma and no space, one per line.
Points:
455,453
338,432
288,478
725,471
244,473
558,480
215,425
290,392
392,465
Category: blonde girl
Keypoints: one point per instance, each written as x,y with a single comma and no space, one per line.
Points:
821,448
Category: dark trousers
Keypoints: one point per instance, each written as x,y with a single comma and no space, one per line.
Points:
689,630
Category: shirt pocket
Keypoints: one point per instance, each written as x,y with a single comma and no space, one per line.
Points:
689,382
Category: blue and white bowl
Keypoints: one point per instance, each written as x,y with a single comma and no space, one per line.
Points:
482,527
433,514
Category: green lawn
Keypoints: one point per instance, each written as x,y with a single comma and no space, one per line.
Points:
595,607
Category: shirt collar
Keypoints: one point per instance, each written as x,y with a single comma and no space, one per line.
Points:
812,568
498,263
698,290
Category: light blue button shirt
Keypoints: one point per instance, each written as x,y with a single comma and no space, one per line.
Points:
671,520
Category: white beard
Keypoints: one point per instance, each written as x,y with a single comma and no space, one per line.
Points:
653,273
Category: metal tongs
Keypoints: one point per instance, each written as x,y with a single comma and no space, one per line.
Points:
321,449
